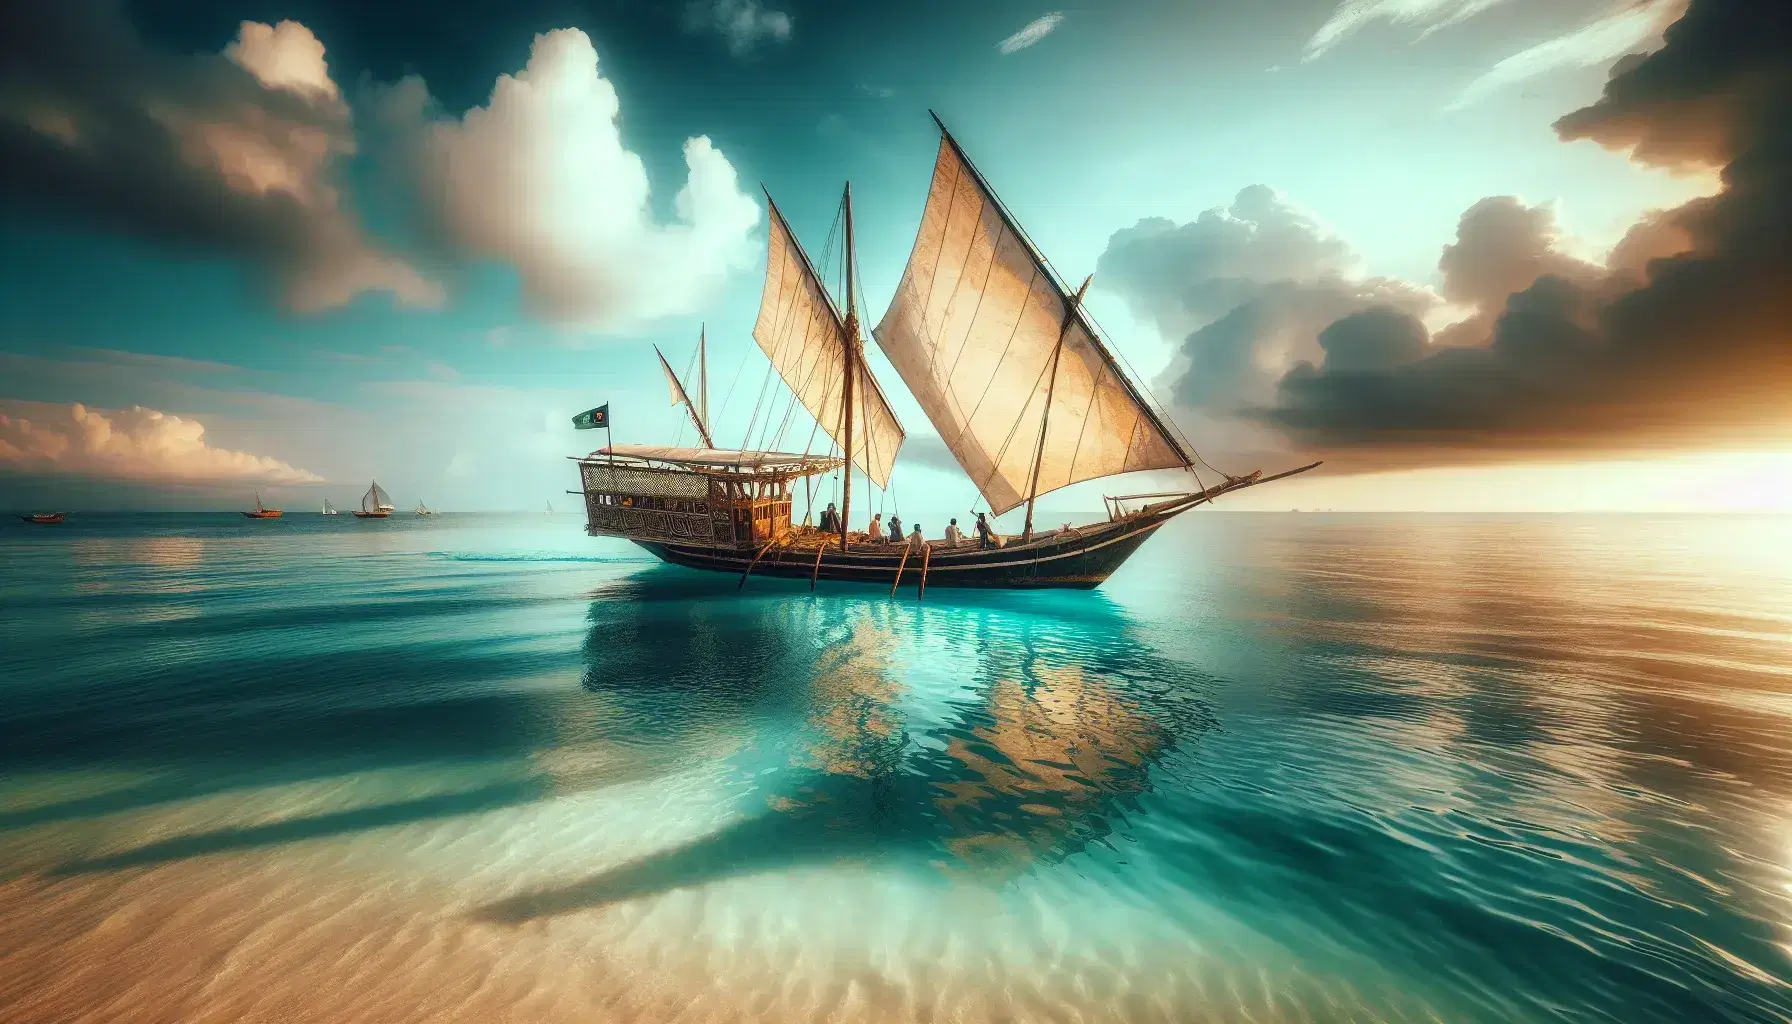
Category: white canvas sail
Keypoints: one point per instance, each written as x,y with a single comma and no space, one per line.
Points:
975,329
805,337
376,499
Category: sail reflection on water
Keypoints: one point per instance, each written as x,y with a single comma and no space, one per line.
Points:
1040,776
1002,740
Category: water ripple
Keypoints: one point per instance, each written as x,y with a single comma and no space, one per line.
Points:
1280,769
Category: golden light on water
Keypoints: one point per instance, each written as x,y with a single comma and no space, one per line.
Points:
1718,481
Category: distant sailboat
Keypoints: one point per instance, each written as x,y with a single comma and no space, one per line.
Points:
329,509
375,504
550,509
44,518
423,511
261,512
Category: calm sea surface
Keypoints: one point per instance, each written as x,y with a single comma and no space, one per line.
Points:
1288,767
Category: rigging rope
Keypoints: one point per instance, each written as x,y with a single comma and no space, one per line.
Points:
764,386
730,393
1146,389
1014,224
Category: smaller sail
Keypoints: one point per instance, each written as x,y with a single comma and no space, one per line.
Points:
681,397
805,337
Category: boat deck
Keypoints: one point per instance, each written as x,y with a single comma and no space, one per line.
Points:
1079,558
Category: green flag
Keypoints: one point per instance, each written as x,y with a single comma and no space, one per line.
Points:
593,418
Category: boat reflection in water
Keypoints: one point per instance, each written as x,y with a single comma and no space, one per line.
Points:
961,741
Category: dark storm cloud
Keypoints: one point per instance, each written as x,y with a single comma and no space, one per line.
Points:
1693,341
235,152
1685,330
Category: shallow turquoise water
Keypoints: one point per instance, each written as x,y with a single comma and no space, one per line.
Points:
1282,767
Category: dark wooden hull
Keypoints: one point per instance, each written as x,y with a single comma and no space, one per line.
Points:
1080,560
45,520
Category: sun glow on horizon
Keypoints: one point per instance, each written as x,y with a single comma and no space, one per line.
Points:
1711,481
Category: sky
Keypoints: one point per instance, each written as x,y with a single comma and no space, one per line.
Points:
1474,254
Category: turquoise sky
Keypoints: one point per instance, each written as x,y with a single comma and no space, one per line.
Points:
1115,112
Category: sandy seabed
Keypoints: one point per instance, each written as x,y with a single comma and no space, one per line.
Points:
494,917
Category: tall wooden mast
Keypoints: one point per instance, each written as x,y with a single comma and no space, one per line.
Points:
703,373
1045,417
853,356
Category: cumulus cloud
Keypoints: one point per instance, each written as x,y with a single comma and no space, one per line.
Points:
1685,332
1030,33
1430,15
1247,288
237,153
539,178
743,23
1502,247
1622,29
135,444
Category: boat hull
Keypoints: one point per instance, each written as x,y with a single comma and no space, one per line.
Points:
45,520
1079,560
373,515
264,514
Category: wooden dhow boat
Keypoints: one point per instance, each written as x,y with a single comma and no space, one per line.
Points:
44,518
262,512
1000,356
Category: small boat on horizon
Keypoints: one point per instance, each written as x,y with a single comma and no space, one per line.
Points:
422,510
44,518
329,509
263,512
375,504
550,509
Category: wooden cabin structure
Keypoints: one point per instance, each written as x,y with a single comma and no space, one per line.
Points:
694,496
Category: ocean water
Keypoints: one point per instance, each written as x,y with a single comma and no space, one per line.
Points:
1288,767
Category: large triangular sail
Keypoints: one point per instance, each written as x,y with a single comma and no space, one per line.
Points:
376,499
804,336
982,332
